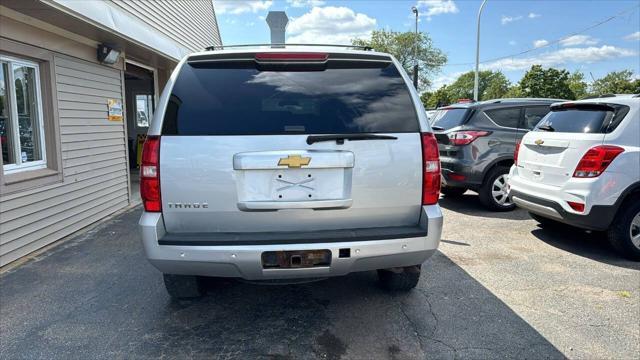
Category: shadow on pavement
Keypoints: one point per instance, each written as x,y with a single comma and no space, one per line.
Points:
469,204
592,245
97,297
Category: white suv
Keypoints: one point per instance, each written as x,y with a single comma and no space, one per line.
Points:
581,166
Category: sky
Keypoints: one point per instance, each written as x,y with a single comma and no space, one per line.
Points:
594,37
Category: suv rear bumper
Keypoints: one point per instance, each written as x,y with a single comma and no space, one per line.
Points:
460,167
244,261
599,218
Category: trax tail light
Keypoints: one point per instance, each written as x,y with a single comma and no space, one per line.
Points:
579,207
291,56
516,152
465,137
430,169
596,160
150,175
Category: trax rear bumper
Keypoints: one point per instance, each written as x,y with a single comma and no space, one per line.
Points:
244,261
599,218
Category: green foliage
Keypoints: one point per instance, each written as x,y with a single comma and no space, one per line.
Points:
577,84
440,97
402,46
546,83
491,85
616,82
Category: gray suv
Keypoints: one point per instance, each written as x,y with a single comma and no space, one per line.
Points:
477,142
281,165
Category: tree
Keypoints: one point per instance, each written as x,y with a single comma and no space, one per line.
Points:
577,84
402,46
616,82
513,92
546,83
437,98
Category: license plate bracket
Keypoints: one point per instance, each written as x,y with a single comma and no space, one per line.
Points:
296,259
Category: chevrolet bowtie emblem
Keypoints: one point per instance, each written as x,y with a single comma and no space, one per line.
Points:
539,142
294,161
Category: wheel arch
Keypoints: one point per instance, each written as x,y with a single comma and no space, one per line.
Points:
505,161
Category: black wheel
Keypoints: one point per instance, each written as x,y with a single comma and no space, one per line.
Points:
624,233
493,193
452,191
545,222
399,279
183,286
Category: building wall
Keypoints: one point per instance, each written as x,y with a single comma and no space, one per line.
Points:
93,176
191,23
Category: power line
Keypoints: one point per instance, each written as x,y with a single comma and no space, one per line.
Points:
557,41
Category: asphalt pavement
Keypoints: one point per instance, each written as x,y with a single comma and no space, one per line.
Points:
500,286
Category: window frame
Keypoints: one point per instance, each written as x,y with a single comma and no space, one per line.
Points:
19,166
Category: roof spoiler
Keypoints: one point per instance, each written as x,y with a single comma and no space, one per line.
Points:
280,46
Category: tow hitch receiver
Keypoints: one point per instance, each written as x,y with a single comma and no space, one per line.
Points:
295,259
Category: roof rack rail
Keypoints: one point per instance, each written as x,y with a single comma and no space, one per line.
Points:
506,100
222,47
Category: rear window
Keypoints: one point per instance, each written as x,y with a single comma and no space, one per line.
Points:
449,118
586,119
241,100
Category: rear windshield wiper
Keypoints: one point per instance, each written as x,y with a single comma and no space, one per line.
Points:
546,128
339,139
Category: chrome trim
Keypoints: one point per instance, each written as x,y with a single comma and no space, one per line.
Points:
536,208
282,205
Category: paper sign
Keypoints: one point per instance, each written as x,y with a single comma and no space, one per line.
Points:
115,109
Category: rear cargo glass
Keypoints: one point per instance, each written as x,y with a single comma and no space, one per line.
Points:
241,100
449,118
585,120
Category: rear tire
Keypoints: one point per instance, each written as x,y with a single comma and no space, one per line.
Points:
451,191
399,279
545,222
493,192
624,233
183,286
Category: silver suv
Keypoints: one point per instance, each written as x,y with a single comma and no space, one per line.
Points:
275,164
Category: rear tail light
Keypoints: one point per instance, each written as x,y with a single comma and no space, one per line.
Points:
430,170
579,207
150,175
291,56
596,160
516,152
465,137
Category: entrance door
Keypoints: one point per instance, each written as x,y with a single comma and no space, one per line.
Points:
140,103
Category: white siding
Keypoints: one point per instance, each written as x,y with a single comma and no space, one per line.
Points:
190,23
94,165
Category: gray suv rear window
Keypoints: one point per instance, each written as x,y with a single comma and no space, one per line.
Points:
449,118
228,100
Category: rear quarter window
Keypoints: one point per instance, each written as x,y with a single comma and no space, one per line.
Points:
242,100
505,117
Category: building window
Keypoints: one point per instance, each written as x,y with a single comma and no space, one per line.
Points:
21,120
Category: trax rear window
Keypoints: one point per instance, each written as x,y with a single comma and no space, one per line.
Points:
449,118
242,100
593,119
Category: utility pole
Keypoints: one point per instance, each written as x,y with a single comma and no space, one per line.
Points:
415,50
477,79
